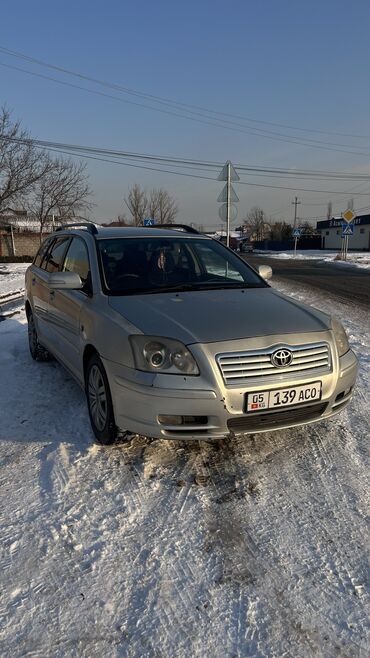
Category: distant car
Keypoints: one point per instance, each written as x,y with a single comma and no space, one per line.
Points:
172,335
246,247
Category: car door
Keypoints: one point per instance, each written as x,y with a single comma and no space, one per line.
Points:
65,306
37,289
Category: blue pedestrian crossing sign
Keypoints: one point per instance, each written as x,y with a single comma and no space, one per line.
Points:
297,232
149,221
347,229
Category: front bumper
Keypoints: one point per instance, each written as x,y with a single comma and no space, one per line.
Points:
139,398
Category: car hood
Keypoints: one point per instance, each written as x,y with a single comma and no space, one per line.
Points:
208,316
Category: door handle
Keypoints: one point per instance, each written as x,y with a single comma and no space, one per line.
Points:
33,280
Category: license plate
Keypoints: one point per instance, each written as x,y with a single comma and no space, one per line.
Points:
284,397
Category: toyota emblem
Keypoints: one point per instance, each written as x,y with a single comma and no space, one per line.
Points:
281,358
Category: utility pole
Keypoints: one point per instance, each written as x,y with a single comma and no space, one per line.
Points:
12,239
295,203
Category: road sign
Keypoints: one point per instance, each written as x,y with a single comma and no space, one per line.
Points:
348,216
347,229
149,221
222,213
228,211
224,173
222,197
297,232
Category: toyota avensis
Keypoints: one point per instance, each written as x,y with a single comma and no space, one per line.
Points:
172,335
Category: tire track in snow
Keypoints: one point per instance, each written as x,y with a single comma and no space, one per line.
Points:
339,506
171,501
270,567
304,529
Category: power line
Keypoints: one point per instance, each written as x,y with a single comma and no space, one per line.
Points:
167,101
200,118
195,163
92,153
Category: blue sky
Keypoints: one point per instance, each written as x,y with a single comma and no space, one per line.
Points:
296,63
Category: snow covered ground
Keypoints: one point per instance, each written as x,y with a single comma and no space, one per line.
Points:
12,277
356,259
253,547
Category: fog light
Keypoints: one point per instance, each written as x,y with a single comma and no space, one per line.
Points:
195,420
170,420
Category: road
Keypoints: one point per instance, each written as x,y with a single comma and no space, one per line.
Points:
343,281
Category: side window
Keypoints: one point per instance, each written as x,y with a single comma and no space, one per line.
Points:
41,252
55,256
77,259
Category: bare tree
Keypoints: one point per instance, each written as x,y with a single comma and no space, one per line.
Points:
159,205
280,231
256,223
307,228
153,204
61,192
162,207
20,163
137,203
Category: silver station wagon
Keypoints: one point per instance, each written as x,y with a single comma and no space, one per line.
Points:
173,335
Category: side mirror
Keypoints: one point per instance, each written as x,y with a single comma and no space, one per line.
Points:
265,271
65,281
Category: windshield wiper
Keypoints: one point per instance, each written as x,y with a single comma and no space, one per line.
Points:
177,288
152,291
187,287
212,285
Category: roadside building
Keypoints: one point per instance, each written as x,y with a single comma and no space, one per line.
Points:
20,233
11,217
331,233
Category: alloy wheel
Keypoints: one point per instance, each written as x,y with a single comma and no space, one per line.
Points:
97,398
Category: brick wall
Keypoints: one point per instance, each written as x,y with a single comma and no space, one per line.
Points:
25,243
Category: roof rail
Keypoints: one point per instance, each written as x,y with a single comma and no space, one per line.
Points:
88,225
176,227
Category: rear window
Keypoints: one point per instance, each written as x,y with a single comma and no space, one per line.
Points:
42,252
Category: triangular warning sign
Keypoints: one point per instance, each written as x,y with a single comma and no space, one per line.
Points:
222,197
233,175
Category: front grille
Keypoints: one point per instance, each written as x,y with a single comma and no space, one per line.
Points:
238,368
254,422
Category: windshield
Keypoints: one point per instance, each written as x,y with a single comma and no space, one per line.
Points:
149,265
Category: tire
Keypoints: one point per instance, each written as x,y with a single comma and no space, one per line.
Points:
99,402
38,353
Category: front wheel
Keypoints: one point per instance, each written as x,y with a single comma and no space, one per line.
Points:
99,402
37,352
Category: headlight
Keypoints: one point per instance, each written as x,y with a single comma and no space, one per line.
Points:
165,355
340,336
